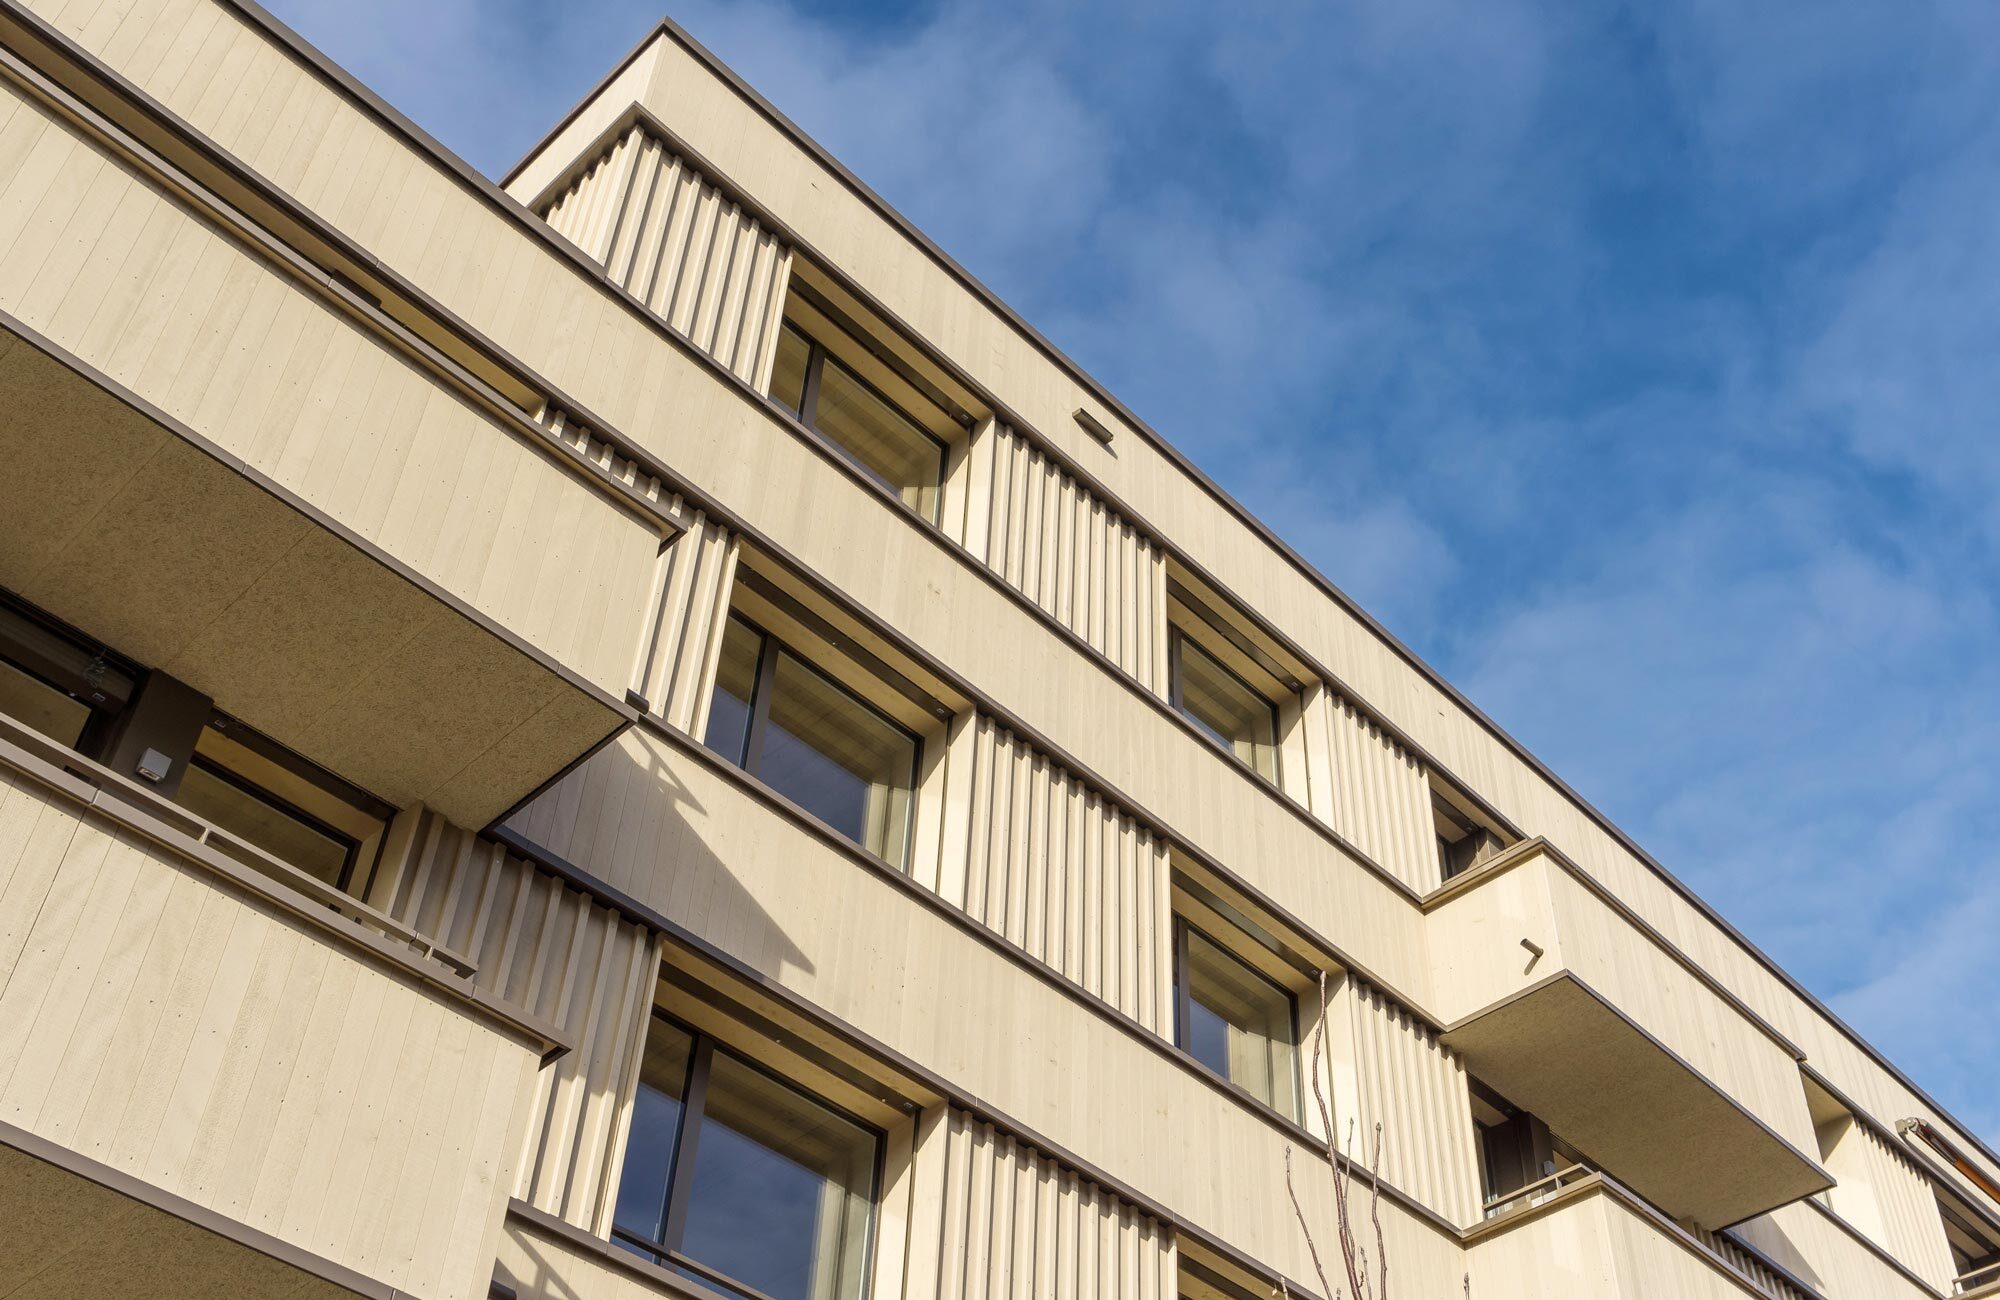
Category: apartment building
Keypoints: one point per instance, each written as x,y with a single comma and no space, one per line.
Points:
633,732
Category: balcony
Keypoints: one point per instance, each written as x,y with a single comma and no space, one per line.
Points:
257,1085
242,472
1827,1254
1571,1008
1581,1234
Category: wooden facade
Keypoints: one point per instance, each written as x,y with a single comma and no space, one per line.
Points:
448,492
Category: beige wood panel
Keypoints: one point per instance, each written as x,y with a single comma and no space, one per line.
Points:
1057,542
405,210
1064,874
430,228
1389,1069
675,671
567,431
996,1218
135,285
1675,1006
1565,1252
1771,1281
1881,1193
1814,1246
682,834
720,123
697,259
1366,785
553,951
1511,928
59,1222
1595,1243
167,1025
1655,1263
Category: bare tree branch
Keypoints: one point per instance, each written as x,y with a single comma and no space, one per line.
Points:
1312,1247
1375,1214
1353,1256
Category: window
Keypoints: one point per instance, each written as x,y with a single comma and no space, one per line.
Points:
1974,1242
813,741
1518,1155
299,813
875,433
210,792
1196,1281
1228,709
54,680
1462,842
1235,1021
741,1181
82,695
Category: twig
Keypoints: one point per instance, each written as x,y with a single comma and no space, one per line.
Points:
1312,1247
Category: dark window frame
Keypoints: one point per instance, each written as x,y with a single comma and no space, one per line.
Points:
1184,1013
1176,640
665,1251
244,784
125,675
817,355
1476,843
104,706
758,706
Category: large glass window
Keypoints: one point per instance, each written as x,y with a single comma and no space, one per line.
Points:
295,811
54,680
742,1181
813,740
1224,706
287,833
875,433
1236,1021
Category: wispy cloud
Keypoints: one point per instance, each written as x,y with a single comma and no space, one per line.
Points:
1633,362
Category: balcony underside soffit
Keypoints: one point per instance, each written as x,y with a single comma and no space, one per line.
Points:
70,1235
134,533
1631,1106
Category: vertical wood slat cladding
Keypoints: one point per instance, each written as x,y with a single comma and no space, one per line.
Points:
1752,1266
551,949
682,639
1885,1196
681,633
1055,541
211,65
1812,1246
1373,792
998,1219
1061,872
173,1026
1416,1088
700,261
566,429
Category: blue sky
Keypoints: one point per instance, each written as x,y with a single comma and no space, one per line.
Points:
1636,365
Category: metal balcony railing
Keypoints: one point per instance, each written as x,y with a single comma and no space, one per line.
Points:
1537,1192
1978,1280
1761,1272
28,751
